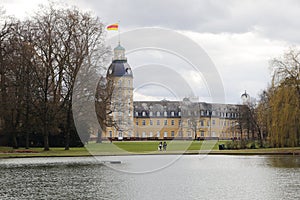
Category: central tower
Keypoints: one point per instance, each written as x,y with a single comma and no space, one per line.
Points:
120,79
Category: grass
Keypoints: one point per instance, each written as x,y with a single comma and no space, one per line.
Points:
141,147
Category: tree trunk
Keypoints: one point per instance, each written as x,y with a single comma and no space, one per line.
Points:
99,137
67,138
27,140
46,137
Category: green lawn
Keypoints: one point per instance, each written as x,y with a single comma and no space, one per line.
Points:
141,147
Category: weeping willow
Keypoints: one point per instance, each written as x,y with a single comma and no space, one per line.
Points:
284,116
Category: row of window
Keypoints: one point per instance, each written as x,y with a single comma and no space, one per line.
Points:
165,122
189,113
172,134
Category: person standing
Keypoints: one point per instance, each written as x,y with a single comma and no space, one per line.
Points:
165,145
160,146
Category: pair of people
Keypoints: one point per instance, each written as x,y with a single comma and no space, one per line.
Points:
162,146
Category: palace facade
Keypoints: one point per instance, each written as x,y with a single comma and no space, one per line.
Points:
150,120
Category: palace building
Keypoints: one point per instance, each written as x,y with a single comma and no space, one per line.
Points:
150,120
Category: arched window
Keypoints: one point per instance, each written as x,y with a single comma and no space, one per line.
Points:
158,114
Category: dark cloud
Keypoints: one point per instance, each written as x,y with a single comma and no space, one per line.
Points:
274,19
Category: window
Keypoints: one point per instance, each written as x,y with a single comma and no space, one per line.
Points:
136,114
150,113
213,122
151,122
202,113
202,133
150,134
143,134
165,114
110,133
172,134
144,122
189,134
179,122
158,122
172,113
158,114
143,113
180,133
214,134
172,122
137,123
129,134
165,134
158,134
179,113
165,122
202,123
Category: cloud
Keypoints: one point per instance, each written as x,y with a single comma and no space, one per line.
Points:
274,19
241,59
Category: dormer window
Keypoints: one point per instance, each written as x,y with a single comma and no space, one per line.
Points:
128,70
165,114
158,114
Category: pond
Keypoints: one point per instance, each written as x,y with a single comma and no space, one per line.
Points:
151,177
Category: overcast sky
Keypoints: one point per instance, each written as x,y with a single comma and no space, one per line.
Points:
240,37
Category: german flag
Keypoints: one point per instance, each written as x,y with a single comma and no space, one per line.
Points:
113,27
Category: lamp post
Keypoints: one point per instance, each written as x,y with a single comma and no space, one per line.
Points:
210,115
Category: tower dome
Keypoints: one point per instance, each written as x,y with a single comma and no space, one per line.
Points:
119,66
245,98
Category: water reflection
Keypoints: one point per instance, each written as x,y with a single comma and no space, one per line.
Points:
215,177
284,161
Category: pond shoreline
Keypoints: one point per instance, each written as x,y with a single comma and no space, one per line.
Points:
85,153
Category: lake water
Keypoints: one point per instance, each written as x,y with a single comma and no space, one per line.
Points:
152,177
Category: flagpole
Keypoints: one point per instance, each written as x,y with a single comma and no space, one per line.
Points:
119,30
